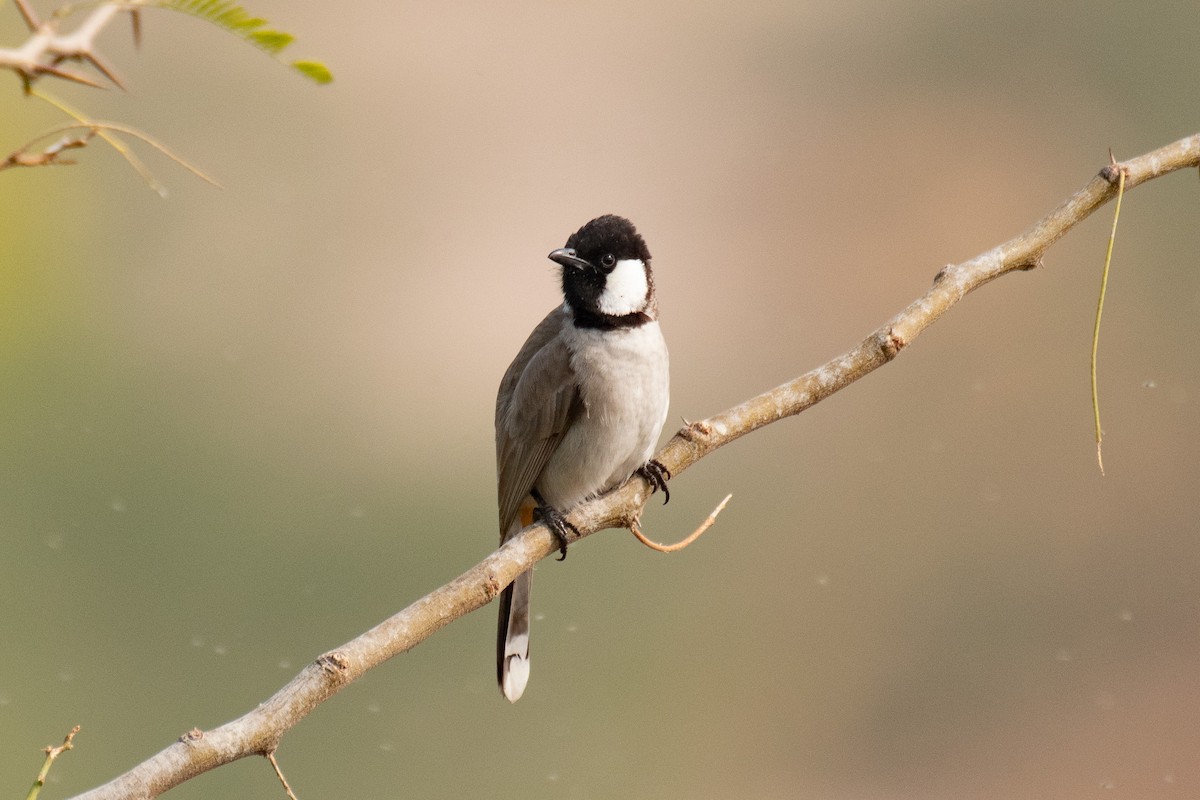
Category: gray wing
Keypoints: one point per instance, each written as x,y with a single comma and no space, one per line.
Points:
538,399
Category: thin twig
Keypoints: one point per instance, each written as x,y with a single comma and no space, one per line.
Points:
101,129
1112,238
636,529
51,754
97,127
279,774
113,142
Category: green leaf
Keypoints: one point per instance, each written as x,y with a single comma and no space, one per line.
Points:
232,17
272,41
313,70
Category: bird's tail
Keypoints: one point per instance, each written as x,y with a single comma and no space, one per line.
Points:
512,646
512,643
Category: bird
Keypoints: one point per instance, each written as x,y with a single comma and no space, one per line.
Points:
580,409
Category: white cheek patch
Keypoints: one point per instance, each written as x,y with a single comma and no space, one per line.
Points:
625,289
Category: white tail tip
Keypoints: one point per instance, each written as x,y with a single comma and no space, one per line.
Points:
516,675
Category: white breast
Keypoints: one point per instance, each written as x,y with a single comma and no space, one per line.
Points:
625,383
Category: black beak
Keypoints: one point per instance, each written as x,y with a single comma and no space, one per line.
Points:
565,256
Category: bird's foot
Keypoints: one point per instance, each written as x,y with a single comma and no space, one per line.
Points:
556,522
657,475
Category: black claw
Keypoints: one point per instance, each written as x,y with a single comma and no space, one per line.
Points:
657,475
556,522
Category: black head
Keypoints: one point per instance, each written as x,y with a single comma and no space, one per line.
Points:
606,274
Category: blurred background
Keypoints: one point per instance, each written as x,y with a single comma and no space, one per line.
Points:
239,426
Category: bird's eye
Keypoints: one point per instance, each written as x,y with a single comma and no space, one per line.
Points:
608,261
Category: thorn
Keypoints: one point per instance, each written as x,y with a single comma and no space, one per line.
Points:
96,61
135,19
30,16
46,69
1112,160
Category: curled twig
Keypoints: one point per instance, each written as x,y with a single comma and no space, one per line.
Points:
636,530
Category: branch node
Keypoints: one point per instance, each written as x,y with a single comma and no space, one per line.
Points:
695,430
891,343
942,273
1112,172
192,736
68,744
334,663
491,586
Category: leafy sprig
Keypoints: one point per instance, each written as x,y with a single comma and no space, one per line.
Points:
235,19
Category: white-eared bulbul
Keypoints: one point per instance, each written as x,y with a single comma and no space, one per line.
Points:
580,408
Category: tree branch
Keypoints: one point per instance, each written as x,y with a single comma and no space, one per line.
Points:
46,48
260,731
